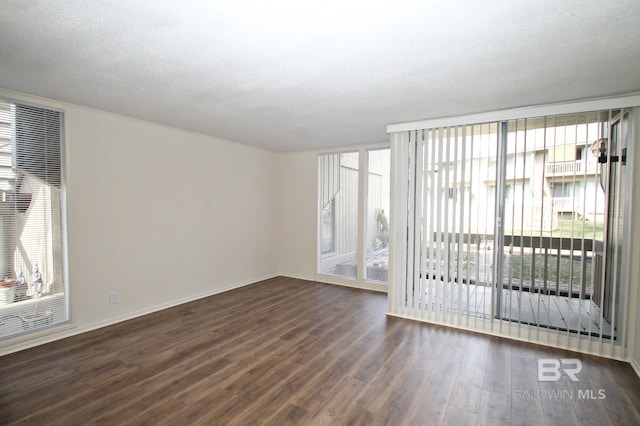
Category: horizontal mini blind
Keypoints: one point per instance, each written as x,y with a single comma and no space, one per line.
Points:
38,143
33,288
516,228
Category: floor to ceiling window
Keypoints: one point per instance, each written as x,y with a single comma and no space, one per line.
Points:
377,215
516,227
353,220
338,199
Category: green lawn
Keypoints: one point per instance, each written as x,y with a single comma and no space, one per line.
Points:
560,274
572,228
564,272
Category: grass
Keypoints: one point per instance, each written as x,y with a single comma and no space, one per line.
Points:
571,228
564,273
560,273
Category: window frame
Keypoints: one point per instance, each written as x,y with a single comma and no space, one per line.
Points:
57,298
360,280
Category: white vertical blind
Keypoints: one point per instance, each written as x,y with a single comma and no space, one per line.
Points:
32,289
515,227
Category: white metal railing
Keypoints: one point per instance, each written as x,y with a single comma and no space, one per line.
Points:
567,204
571,168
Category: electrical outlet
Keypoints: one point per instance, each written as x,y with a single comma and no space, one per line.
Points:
114,298
227,273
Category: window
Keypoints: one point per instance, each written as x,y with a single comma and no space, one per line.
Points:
33,287
338,199
539,253
451,193
518,192
353,199
328,227
378,190
566,189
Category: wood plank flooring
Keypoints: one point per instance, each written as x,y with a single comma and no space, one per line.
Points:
287,351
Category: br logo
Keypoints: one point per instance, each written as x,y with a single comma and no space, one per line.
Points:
550,369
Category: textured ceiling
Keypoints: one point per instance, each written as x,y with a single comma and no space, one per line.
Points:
291,75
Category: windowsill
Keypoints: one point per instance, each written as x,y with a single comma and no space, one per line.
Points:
31,319
43,303
328,255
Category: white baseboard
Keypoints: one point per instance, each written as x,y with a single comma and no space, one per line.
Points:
63,331
298,277
338,280
635,365
362,285
344,282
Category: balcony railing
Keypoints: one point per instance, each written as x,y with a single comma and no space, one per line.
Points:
567,204
550,265
564,168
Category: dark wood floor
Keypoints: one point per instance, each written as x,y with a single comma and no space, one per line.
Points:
287,351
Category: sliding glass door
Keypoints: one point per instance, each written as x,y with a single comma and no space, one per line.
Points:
515,227
558,218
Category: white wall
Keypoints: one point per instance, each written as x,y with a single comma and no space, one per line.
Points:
159,215
299,216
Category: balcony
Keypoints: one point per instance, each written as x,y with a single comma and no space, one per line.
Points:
567,205
549,282
571,168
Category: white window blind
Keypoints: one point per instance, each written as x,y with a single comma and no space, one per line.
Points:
32,286
516,227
